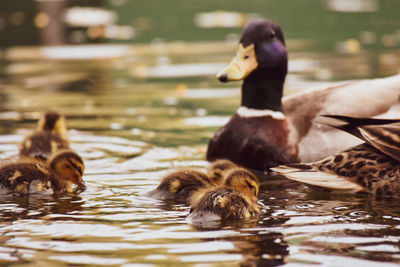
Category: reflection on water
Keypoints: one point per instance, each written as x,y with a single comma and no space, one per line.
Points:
132,129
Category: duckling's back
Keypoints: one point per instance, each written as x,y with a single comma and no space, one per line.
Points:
24,177
180,184
223,204
41,145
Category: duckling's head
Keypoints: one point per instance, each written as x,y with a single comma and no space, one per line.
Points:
68,168
54,122
244,181
262,51
219,168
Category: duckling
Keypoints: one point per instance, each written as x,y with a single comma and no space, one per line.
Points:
62,174
236,199
269,130
372,167
218,170
180,184
49,138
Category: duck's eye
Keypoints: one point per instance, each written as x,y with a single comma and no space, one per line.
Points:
271,35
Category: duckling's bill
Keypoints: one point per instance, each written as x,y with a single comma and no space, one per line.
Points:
241,66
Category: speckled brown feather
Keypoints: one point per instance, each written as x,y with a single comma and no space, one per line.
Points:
367,168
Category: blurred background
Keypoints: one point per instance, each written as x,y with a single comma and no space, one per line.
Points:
366,24
136,82
120,60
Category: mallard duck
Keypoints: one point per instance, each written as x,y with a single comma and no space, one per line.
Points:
49,138
62,174
372,167
180,184
236,199
267,130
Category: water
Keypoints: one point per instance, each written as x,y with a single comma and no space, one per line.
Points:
135,112
134,118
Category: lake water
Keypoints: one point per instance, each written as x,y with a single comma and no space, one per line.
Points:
134,112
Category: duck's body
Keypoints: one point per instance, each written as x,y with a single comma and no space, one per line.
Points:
235,199
372,167
257,142
267,130
26,176
48,139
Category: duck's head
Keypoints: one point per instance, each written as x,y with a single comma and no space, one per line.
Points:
54,122
219,168
68,168
244,181
261,50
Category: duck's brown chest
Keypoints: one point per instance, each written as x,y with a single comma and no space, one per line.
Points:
254,142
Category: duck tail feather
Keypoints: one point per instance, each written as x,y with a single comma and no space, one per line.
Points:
316,178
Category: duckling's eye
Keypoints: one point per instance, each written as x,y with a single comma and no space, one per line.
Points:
246,56
79,169
254,190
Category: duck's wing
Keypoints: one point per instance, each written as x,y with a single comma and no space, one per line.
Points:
383,134
365,98
357,169
384,138
354,125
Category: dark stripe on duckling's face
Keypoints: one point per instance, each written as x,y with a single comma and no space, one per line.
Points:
76,167
242,180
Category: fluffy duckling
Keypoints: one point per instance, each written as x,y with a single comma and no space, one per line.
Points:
63,174
180,184
218,170
269,130
236,199
372,167
49,138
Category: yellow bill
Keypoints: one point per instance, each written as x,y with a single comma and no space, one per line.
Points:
241,65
